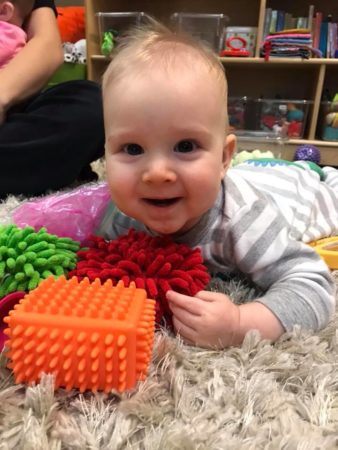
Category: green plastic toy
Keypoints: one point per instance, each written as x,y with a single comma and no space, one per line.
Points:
108,41
28,257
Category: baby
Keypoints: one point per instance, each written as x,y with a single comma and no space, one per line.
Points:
167,157
12,37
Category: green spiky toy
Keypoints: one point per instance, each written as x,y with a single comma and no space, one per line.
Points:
28,257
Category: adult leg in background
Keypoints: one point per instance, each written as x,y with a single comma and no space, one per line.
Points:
48,142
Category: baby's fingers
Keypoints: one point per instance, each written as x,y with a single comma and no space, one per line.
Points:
184,302
187,334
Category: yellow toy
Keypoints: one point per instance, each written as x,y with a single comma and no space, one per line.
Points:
327,248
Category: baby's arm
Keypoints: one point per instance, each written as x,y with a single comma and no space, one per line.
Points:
30,69
256,316
297,284
211,319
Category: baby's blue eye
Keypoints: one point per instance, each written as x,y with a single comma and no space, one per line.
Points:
133,149
185,146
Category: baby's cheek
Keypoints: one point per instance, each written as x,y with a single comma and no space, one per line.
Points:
113,168
114,179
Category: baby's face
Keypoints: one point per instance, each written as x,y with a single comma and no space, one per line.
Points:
166,147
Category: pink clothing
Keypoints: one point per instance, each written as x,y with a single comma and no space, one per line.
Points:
289,35
12,39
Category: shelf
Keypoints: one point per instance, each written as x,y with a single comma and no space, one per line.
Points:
100,58
280,61
253,77
317,142
239,60
328,150
328,155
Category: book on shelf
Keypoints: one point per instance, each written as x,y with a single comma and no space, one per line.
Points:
302,22
316,31
323,30
280,23
278,20
289,22
332,40
310,16
267,20
273,21
325,35
323,38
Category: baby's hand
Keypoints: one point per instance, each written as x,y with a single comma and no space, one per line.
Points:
209,319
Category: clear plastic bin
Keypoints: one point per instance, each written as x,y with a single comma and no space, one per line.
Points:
285,117
119,22
206,27
251,141
237,108
328,120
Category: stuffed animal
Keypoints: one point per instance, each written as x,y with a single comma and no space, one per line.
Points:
71,23
75,53
330,128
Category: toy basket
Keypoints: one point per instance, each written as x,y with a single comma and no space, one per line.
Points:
206,27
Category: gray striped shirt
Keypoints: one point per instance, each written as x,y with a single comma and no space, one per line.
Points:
258,226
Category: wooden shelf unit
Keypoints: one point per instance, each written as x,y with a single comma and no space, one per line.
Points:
288,78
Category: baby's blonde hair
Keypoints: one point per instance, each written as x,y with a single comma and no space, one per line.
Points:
153,46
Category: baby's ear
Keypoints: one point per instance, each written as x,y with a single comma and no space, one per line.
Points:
6,11
228,151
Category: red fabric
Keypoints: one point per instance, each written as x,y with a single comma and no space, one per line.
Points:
155,264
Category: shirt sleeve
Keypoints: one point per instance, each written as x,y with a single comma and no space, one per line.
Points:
298,286
45,3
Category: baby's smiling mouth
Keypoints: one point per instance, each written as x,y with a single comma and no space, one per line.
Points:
162,202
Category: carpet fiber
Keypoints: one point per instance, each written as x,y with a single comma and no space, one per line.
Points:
259,396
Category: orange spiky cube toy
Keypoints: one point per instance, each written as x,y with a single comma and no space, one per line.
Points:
90,335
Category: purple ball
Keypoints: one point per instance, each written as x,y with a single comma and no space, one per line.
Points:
307,152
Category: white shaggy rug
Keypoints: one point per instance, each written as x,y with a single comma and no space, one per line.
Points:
259,396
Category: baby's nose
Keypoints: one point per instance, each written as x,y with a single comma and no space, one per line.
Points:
159,171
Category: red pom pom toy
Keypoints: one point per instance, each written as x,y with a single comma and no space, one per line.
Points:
156,264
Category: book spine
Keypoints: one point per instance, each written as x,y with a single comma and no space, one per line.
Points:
267,21
332,39
280,20
317,25
302,22
273,22
288,21
323,38
310,16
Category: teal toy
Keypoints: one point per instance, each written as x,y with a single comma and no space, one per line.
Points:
282,162
28,257
295,114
